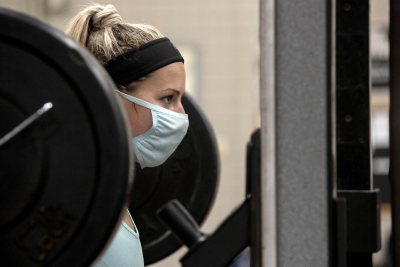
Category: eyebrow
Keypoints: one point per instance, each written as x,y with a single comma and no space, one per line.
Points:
176,91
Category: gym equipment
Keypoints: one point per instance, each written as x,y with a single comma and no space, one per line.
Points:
360,209
296,120
394,130
65,154
239,230
190,175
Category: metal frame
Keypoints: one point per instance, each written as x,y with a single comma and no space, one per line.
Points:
296,132
394,174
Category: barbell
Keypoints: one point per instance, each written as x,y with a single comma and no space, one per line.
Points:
67,169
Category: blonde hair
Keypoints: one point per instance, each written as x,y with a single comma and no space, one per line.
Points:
101,30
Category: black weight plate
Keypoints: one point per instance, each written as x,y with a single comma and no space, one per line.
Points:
65,178
190,175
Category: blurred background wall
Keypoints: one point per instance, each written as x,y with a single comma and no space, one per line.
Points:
379,47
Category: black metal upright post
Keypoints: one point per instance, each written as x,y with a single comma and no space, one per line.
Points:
394,116
354,180
353,86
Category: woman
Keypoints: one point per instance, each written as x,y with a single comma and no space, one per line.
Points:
149,73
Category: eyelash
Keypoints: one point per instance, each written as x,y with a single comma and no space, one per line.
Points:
167,99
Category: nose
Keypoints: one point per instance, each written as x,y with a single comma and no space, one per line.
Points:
180,108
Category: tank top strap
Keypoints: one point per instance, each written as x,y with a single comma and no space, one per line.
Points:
134,230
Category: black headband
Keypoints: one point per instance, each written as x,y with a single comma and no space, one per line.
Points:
137,63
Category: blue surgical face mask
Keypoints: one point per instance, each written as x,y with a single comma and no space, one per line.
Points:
155,146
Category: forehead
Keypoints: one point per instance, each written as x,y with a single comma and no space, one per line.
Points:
172,71
171,76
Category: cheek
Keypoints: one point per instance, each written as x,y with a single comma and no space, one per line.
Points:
140,119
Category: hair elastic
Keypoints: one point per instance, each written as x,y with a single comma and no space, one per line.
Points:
139,62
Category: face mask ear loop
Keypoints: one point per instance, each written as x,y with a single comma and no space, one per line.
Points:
121,94
134,107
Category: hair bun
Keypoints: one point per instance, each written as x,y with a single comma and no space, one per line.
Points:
106,16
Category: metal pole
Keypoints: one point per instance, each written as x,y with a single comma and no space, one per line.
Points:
394,126
268,132
295,132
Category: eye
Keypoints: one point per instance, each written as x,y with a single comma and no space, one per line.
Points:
167,99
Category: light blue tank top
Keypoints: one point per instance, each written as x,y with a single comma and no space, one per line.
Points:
124,251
